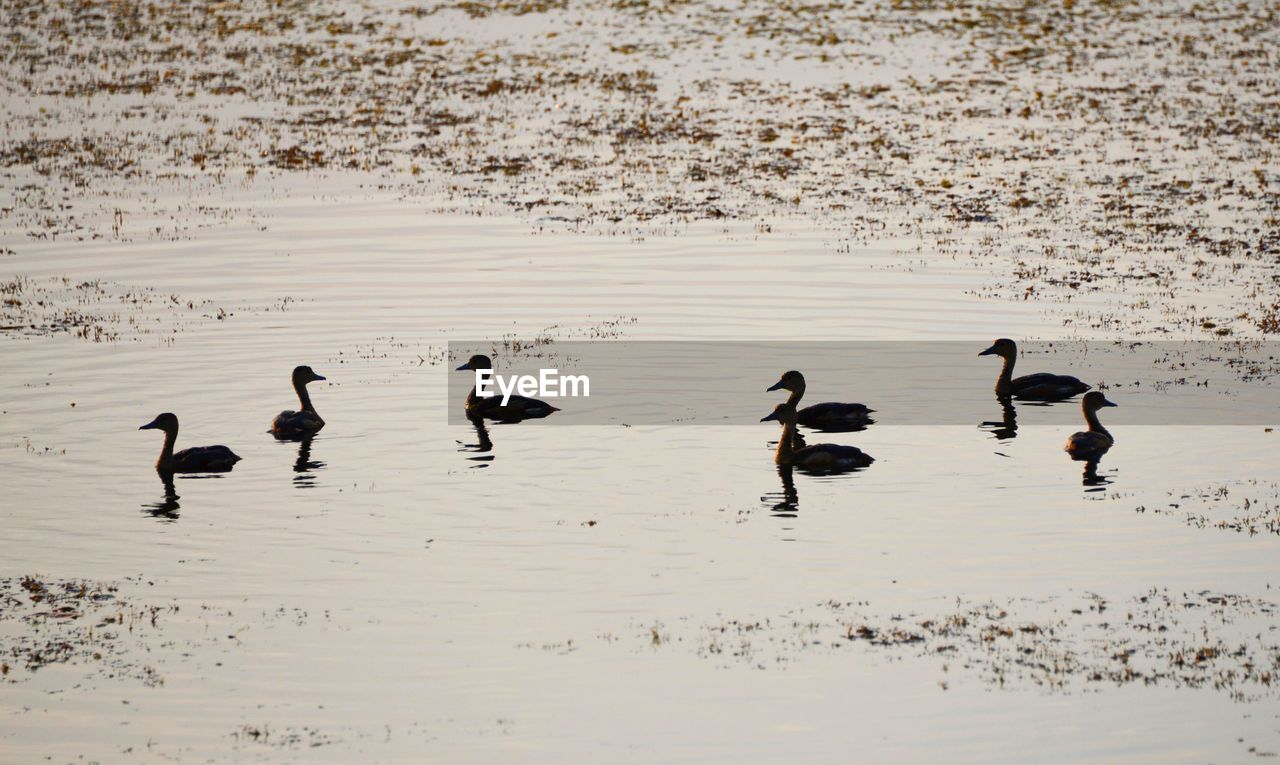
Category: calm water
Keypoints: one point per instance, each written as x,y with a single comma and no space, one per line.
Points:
387,597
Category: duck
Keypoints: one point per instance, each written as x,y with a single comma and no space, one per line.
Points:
197,459
823,458
1089,445
516,409
1041,386
305,422
829,416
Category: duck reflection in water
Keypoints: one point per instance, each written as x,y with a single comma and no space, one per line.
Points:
167,509
787,503
483,444
1089,446
304,466
1007,426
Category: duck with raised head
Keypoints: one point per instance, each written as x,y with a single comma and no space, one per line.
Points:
1091,444
1042,386
305,422
197,459
516,409
822,458
830,416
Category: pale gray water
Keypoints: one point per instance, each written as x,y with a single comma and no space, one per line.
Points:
429,603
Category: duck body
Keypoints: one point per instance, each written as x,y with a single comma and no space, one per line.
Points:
516,408
829,458
201,459
197,459
1089,445
834,416
818,458
291,425
1042,386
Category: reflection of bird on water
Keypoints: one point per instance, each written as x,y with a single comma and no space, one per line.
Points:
305,422
789,503
1091,477
483,446
168,509
1007,426
824,458
1041,386
829,416
197,459
516,408
304,466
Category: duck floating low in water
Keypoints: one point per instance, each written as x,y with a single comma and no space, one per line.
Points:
1089,445
1041,386
303,423
829,416
197,459
516,409
818,458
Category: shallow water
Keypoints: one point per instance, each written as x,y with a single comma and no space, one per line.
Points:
395,596
195,198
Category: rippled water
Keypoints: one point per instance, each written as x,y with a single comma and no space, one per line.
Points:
389,596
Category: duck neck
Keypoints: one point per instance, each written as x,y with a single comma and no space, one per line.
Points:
1006,374
797,393
1091,417
304,398
166,451
786,444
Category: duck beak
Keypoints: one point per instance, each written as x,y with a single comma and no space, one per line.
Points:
775,386
149,426
465,367
1109,403
317,378
770,416
988,352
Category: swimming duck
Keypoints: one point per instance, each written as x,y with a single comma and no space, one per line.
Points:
290,424
829,416
1092,443
197,459
825,458
516,409
1041,386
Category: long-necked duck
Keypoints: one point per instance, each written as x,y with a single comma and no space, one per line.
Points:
1092,443
826,458
830,415
1041,386
197,459
305,422
516,409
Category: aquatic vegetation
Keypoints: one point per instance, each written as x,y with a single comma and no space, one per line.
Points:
1066,644
1022,120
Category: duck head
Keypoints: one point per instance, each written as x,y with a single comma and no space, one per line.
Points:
168,422
1004,347
304,374
1095,400
476,362
791,381
784,413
